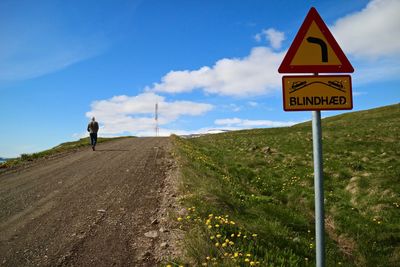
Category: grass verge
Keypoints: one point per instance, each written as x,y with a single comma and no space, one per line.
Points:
250,196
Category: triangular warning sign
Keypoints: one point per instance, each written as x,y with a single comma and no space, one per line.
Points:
314,49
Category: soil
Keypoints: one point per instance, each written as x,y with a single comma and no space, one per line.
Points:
109,207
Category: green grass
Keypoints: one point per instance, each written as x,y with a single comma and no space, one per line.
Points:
68,146
263,180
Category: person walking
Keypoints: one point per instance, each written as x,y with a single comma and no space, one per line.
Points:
93,128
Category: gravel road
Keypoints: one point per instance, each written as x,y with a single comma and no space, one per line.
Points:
86,208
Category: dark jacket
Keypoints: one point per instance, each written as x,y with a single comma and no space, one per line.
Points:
93,127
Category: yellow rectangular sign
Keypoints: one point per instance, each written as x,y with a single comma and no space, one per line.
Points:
317,92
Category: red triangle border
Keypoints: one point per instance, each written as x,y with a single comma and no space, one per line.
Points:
285,66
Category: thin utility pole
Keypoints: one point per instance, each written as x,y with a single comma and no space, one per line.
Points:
156,119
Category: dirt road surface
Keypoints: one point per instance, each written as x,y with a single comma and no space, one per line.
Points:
86,208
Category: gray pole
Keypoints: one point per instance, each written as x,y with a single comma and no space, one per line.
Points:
318,188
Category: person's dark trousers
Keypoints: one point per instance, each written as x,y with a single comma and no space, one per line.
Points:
93,139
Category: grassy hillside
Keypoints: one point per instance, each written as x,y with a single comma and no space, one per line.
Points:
250,196
68,146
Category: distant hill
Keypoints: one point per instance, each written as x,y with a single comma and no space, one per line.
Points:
67,146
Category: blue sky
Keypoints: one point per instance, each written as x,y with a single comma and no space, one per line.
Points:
209,64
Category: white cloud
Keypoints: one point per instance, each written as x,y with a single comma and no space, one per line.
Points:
372,32
255,74
230,121
234,107
274,37
357,93
135,114
244,123
252,104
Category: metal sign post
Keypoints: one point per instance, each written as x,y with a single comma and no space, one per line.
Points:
315,50
318,188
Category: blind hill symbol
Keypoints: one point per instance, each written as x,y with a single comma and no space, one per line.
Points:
315,50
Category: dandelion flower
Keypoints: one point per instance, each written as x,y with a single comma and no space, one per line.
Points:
252,263
179,219
217,244
246,260
254,235
219,235
248,255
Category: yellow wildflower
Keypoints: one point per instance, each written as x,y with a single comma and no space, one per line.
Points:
179,219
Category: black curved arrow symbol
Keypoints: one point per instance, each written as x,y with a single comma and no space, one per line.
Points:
322,44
